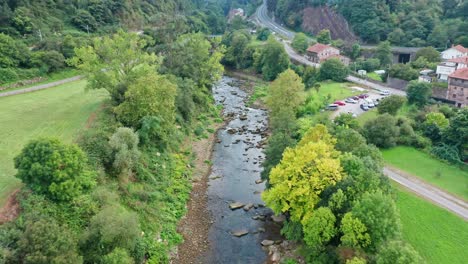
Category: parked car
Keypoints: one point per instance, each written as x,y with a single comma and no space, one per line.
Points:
355,98
351,101
364,107
332,107
340,103
363,96
384,92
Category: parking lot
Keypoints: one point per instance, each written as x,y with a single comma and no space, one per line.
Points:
355,108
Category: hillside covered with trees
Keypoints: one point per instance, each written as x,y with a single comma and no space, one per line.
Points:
438,23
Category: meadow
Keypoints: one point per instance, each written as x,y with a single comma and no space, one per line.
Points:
60,112
418,163
437,234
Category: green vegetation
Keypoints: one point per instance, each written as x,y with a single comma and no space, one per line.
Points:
59,112
374,76
438,235
448,177
363,118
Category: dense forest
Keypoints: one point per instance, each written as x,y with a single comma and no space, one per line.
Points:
36,37
438,23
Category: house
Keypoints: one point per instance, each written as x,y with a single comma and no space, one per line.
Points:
454,52
458,87
426,75
319,53
444,69
236,12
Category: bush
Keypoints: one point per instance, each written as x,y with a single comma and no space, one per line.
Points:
333,69
50,167
124,145
391,104
382,131
404,72
446,152
8,75
418,93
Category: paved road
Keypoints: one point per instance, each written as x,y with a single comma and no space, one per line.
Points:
40,87
429,192
415,185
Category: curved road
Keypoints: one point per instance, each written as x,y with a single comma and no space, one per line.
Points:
421,188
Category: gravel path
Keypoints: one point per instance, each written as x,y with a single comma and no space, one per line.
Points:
41,86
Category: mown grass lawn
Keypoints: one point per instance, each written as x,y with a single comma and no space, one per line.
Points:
59,112
438,235
374,76
420,164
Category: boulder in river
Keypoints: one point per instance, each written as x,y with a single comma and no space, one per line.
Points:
267,242
243,117
278,218
236,205
239,233
258,181
248,206
231,131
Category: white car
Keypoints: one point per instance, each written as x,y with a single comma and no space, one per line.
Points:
351,101
384,92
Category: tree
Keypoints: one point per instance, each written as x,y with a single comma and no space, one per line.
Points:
149,95
303,173
429,53
84,21
236,49
403,71
379,214
285,94
437,119
12,52
103,69
319,228
456,133
382,131
263,34
49,61
44,241
192,56
50,167
398,252
300,43
355,233
324,36
384,53
355,51
346,120
334,70
348,139
124,145
272,59
391,104
418,93
111,231
118,256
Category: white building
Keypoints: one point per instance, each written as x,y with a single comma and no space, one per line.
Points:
444,69
454,52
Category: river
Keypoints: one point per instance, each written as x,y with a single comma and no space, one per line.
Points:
236,160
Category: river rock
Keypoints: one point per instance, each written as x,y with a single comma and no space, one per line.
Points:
261,230
214,177
231,131
243,117
248,206
267,242
278,218
236,205
258,181
239,233
275,257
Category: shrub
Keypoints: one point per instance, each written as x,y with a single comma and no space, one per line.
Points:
334,70
8,75
391,104
124,144
50,167
382,131
446,152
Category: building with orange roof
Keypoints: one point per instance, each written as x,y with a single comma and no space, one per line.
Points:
458,87
454,52
319,53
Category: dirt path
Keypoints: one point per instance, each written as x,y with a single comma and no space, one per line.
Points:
195,225
11,209
41,86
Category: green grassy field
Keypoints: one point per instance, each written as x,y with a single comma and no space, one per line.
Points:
56,76
438,235
374,76
60,112
420,164
363,118
328,93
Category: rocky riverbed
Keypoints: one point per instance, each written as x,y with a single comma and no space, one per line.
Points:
240,221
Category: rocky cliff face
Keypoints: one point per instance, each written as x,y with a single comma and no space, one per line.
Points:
318,18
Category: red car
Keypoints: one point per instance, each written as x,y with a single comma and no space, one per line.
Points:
340,103
363,96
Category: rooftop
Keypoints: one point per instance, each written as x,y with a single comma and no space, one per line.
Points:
460,74
463,60
318,48
460,48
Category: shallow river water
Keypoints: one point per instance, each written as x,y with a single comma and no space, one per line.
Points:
237,159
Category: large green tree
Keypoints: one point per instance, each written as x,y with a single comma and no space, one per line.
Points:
333,69
115,62
391,104
418,93
300,42
382,131
272,59
50,167
384,53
